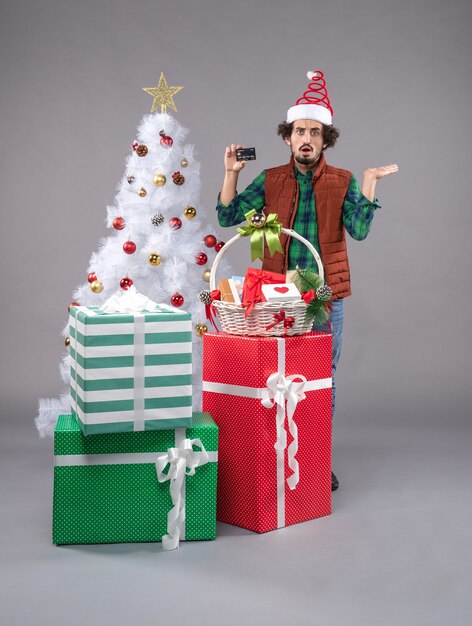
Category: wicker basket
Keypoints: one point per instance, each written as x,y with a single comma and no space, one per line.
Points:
232,314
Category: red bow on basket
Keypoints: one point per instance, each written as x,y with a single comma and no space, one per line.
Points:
282,317
210,309
308,296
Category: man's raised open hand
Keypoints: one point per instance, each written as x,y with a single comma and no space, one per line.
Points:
380,172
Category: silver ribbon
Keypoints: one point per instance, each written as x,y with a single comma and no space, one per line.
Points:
182,461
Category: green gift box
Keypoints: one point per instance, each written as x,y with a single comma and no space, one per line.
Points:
136,486
130,371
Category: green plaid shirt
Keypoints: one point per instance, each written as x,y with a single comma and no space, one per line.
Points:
358,212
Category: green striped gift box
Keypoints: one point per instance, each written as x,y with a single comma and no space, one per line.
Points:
130,371
106,488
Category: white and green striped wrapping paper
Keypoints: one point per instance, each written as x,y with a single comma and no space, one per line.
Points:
130,371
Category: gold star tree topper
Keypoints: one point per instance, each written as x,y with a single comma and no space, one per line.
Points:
162,95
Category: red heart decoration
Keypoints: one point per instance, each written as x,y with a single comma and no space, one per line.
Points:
281,289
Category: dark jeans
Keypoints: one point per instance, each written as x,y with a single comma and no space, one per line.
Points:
336,319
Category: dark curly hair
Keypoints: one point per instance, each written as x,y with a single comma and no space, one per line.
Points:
330,133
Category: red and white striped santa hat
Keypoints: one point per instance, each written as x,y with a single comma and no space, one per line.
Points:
314,104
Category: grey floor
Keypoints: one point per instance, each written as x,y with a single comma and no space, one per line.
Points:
396,550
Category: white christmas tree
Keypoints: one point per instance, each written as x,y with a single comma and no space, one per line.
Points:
158,243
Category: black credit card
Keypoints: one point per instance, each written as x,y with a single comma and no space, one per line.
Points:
245,154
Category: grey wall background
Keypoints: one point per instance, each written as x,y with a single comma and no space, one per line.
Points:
398,74
395,551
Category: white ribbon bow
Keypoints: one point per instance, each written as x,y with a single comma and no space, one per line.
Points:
182,462
279,389
130,301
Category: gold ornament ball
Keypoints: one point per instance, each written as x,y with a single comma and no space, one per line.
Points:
159,180
67,342
154,258
190,212
206,275
258,220
183,162
201,329
142,192
96,286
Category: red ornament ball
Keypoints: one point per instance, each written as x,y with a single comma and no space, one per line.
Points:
219,245
129,247
201,258
92,277
72,304
119,223
126,282
166,140
209,241
177,300
175,223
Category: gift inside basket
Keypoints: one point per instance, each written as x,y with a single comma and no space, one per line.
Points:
265,318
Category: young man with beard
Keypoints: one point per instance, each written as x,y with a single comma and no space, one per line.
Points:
317,200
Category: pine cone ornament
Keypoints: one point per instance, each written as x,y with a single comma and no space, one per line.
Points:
324,293
178,178
142,150
158,219
205,297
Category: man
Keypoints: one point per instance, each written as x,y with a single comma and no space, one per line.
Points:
313,198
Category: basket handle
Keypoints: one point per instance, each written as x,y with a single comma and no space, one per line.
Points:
286,231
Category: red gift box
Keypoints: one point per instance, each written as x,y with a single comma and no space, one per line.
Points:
271,399
252,286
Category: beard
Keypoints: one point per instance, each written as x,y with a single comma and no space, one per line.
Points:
305,160
309,159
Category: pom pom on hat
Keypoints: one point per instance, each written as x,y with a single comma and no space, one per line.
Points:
314,104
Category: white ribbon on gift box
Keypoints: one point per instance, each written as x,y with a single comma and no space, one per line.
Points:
183,452
280,390
182,461
129,301
134,303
